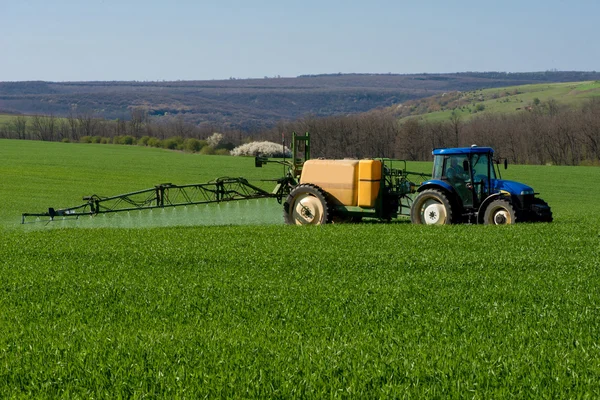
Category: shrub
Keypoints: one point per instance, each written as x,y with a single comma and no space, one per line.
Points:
85,139
222,152
267,149
143,141
214,139
173,143
207,150
154,142
96,139
105,140
228,146
194,145
127,139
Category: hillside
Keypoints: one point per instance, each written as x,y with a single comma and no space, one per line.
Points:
506,100
250,104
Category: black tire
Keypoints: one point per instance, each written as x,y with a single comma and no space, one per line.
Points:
306,205
431,207
500,212
544,213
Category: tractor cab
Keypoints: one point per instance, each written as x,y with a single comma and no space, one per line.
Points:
469,171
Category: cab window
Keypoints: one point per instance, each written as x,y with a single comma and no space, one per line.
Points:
481,166
438,164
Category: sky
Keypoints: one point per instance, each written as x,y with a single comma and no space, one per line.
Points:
103,40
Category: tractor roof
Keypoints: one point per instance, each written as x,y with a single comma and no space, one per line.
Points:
462,150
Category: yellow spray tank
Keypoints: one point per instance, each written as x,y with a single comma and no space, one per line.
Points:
348,190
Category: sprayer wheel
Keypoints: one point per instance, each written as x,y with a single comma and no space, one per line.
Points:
306,205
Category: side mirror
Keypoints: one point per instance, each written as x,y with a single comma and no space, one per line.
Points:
505,163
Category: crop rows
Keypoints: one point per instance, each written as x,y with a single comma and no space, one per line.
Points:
371,310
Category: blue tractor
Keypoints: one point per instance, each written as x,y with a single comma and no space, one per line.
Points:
466,187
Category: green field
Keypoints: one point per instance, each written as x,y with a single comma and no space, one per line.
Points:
264,310
508,100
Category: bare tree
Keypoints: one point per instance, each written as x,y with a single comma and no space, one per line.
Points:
43,126
86,124
456,123
18,125
139,117
590,129
411,142
73,126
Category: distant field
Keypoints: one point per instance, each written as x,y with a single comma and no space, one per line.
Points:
517,98
265,310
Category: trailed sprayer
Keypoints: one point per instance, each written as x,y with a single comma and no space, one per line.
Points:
465,187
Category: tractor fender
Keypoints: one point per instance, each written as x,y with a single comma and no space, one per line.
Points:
436,184
487,201
445,188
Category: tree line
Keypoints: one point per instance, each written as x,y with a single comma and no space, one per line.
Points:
544,133
171,133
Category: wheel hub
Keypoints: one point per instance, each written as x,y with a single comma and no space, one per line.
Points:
307,210
307,213
434,213
501,217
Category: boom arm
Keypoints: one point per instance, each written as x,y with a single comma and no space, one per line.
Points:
166,195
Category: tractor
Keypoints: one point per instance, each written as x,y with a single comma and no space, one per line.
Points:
465,187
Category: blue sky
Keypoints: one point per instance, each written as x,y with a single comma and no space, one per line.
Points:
74,40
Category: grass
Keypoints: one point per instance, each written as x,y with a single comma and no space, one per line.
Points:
275,311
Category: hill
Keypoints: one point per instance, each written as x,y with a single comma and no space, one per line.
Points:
506,100
250,104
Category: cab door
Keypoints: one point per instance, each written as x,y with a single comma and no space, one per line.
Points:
458,177
481,169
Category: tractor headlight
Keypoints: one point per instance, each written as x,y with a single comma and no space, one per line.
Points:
526,192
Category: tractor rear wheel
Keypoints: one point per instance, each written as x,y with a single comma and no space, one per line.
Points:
431,207
500,212
306,205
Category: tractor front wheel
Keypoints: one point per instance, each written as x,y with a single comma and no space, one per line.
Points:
431,207
306,205
500,212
